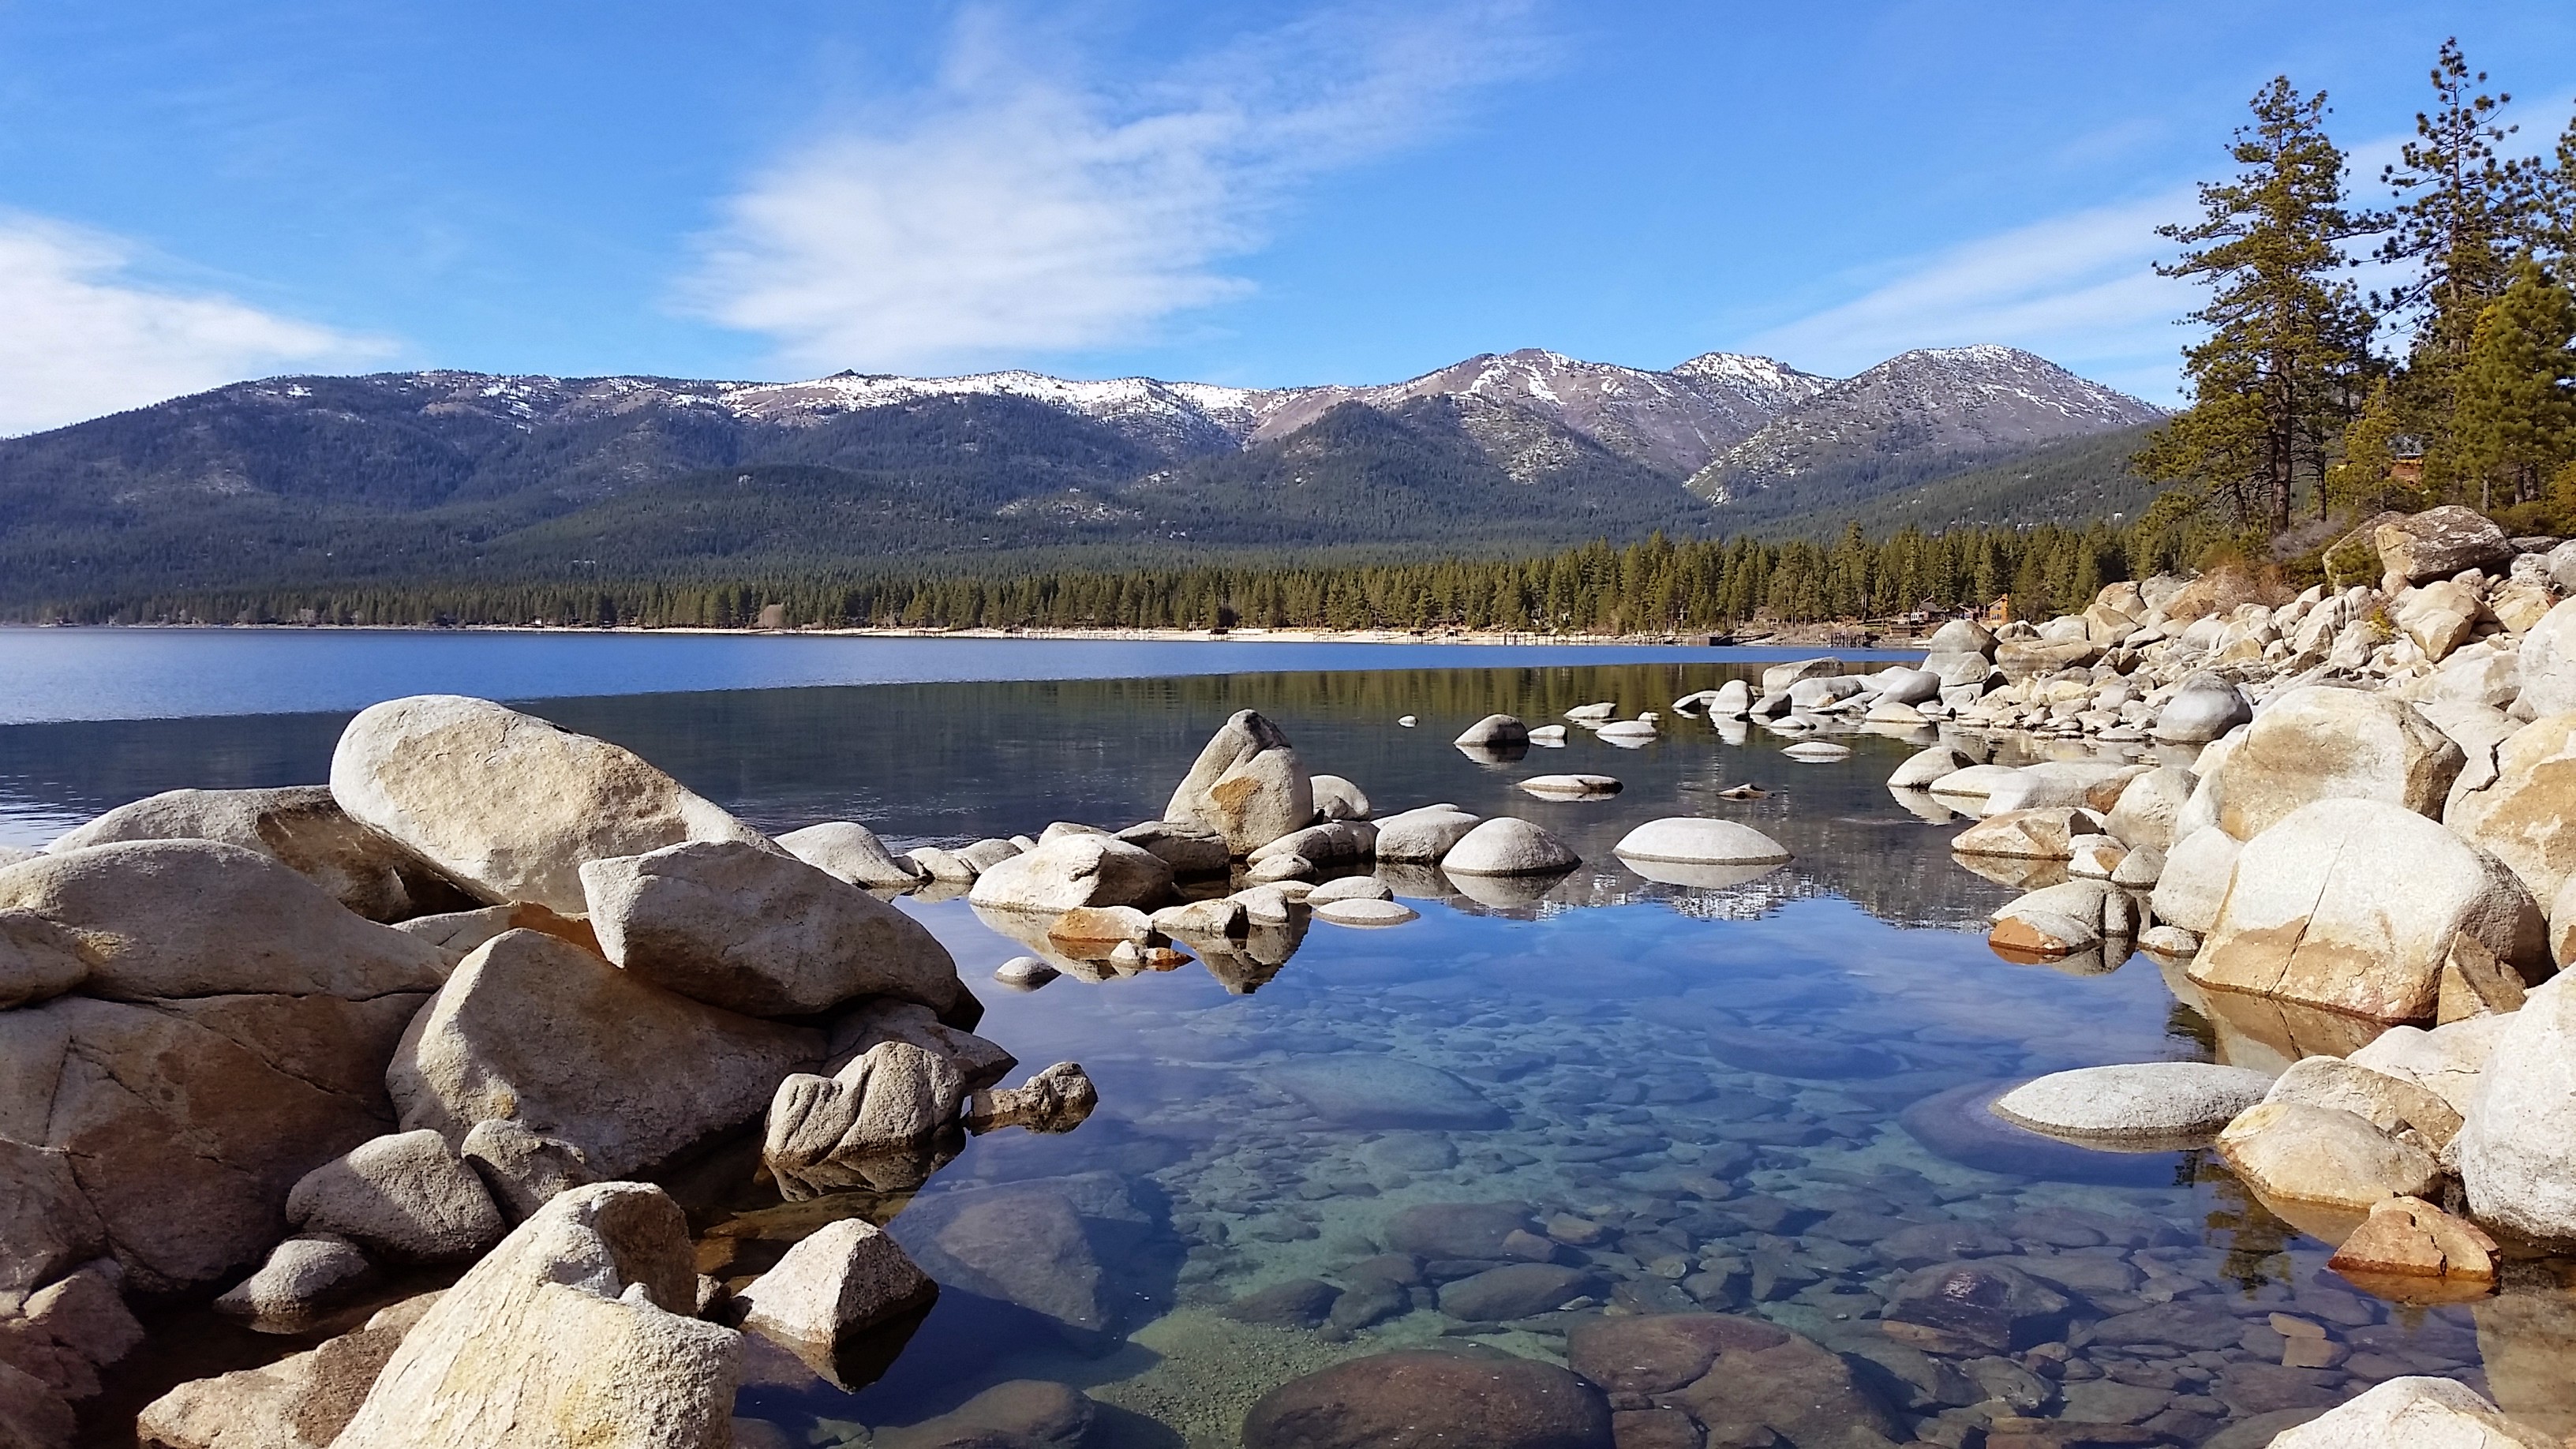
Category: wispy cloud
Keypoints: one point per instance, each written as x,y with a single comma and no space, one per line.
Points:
2080,289
85,337
1017,210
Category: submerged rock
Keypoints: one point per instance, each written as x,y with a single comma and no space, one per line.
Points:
1729,1380
1055,1100
508,803
301,1401
1383,1091
1387,1399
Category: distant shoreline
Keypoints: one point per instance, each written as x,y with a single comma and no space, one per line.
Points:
1792,637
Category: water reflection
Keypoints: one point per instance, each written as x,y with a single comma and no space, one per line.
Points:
1753,1096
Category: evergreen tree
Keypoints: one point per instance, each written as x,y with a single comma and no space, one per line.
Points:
2274,382
2457,224
2515,418
2364,480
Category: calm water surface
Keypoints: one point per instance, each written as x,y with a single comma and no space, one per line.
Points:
1762,1099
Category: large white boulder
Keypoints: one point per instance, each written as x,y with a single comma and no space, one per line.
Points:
2415,1413
2526,813
2450,1060
2438,543
2148,807
199,918
736,926
1507,845
2518,1151
2043,834
2353,904
1494,731
2194,882
2206,707
852,852
509,803
576,1331
889,1098
2323,743
2089,784
1934,763
2296,1153
300,826
1246,785
244,1045
2549,664
541,1033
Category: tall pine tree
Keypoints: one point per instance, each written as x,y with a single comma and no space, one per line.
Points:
2458,222
2278,375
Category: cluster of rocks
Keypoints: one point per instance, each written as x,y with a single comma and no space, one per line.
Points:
2350,845
1251,848
441,1016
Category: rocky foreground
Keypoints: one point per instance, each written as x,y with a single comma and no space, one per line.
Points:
2346,824
443,1018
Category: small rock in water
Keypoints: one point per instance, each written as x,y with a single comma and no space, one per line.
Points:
836,1283
1818,751
1572,787
1407,721
1055,1100
1493,731
1348,911
303,1276
1506,845
2409,1237
1024,973
1350,888
1552,736
1339,799
1516,1290
1297,1303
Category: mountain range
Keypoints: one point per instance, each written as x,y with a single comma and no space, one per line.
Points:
449,476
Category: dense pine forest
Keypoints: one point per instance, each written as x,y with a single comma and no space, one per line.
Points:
1654,587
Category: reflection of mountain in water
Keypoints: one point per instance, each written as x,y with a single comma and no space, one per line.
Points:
949,762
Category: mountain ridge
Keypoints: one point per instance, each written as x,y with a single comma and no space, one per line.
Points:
453,474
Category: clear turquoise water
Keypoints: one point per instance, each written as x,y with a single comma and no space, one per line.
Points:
1759,1096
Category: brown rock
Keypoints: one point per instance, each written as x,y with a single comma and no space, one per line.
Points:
301,1401
1741,1379
2409,1237
1417,1398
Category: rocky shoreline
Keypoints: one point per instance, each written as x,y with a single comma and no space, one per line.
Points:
2345,825
296,1052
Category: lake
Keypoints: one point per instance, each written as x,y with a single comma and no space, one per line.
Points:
1764,1099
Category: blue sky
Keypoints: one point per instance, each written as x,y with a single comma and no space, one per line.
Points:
1257,195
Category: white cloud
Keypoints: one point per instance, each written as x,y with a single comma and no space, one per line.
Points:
2079,289
1017,210
84,337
